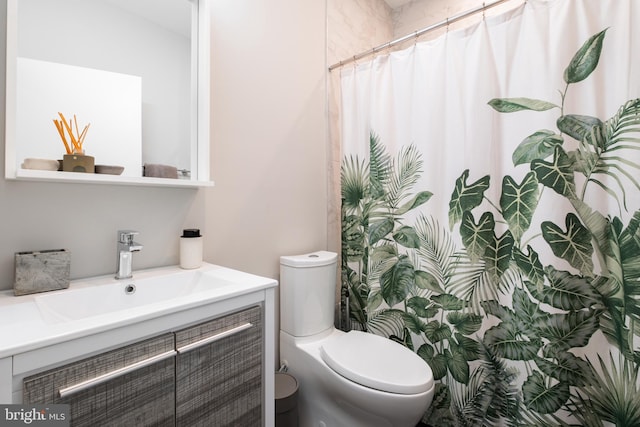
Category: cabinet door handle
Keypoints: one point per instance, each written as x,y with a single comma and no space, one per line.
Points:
67,391
213,338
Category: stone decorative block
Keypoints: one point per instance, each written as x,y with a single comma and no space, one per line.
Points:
41,271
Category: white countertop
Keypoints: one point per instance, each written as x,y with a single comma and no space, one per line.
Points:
26,325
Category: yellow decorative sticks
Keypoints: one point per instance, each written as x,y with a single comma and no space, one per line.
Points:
77,140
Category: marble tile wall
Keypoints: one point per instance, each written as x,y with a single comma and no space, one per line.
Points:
354,26
418,14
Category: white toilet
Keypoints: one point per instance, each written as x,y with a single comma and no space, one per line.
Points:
345,378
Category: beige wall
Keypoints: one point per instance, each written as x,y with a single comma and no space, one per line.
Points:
268,155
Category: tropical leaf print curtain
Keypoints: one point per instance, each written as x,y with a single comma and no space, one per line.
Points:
491,213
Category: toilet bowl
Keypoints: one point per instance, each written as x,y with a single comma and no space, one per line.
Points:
345,378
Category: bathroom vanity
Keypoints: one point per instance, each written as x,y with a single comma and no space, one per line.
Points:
167,347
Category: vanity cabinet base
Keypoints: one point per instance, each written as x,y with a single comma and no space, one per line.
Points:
101,391
219,372
210,374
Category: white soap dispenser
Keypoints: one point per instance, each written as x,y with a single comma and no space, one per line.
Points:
190,248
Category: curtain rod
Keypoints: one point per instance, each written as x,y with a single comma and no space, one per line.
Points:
417,34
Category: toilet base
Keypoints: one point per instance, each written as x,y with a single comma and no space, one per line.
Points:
328,399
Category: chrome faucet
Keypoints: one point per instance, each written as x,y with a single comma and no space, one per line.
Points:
126,248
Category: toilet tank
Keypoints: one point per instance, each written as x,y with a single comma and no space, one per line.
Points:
307,293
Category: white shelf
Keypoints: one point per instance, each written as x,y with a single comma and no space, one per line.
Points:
93,178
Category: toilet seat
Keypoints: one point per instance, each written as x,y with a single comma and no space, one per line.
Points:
377,362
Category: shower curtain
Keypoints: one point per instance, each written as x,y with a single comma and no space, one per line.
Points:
490,186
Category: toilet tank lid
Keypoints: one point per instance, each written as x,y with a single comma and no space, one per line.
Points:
313,259
377,362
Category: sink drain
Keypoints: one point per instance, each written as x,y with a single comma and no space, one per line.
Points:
130,289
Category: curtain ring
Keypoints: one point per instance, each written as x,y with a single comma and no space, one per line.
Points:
447,27
484,7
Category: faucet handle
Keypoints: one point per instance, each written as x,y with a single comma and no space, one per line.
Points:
126,236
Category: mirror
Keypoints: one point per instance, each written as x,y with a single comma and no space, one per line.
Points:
135,72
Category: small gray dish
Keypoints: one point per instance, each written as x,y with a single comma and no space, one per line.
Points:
109,170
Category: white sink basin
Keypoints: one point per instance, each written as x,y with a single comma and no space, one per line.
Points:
165,298
82,301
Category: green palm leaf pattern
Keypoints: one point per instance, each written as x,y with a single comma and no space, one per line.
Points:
542,399
379,229
436,331
579,127
474,283
467,347
404,339
565,331
613,320
379,167
503,313
396,282
465,323
419,199
407,237
426,280
565,291
613,396
511,105
406,171
613,141
585,60
527,313
422,307
491,395
448,302
477,237
358,293
435,252
506,341
566,368
413,323
557,175
530,265
538,145
457,365
436,361
629,242
518,203
352,238
510,335
466,197
498,256
600,229
354,179
572,245
386,322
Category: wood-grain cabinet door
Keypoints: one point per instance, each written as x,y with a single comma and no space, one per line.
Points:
129,386
219,372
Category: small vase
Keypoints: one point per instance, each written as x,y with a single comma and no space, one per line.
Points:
78,163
